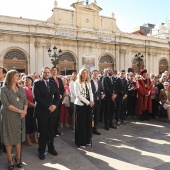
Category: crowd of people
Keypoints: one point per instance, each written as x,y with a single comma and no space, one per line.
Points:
37,105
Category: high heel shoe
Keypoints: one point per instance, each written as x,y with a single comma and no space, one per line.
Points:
10,164
18,165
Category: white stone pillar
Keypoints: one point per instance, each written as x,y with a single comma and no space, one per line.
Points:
32,56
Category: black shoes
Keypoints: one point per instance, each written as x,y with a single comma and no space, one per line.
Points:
106,127
112,126
57,133
42,156
10,165
141,118
124,122
96,132
53,152
18,162
118,123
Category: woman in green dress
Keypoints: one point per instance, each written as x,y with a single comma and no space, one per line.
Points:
13,110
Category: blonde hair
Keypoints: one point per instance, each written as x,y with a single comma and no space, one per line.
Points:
79,76
9,78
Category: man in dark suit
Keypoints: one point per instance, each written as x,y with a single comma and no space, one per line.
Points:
59,82
47,98
102,108
97,90
121,98
110,89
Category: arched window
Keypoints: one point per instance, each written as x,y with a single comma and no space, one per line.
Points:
16,59
163,62
106,61
67,63
19,55
163,65
67,57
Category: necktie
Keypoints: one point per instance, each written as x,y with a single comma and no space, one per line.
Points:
111,80
48,87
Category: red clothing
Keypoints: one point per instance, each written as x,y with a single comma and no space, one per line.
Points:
64,110
64,114
144,102
29,95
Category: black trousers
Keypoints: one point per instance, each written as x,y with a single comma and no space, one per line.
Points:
102,110
96,110
58,116
109,112
46,129
30,120
155,105
131,105
120,108
83,125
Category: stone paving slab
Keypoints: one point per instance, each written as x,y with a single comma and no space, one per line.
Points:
135,146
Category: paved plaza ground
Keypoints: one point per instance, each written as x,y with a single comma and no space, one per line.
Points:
135,146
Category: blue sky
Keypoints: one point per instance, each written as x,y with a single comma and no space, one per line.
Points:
128,13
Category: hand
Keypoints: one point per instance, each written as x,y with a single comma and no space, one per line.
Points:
91,104
32,104
125,96
52,108
102,96
149,93
60,96
132,88
67,93
114,96
22,113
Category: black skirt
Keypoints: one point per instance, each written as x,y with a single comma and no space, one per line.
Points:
83,125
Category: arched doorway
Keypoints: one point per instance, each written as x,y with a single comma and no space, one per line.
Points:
16,59
135,65
163,65
105,62
67,63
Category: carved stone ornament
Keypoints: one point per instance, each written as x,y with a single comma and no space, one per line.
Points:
55,4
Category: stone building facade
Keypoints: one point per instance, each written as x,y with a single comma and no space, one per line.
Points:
86,39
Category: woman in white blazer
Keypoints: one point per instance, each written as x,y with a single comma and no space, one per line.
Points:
84,103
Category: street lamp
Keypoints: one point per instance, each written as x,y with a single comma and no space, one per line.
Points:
139,59
55,56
